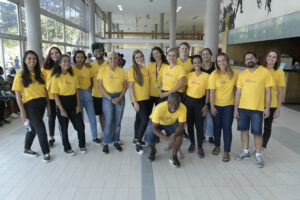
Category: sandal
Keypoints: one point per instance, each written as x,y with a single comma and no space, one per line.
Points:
226,157
216,151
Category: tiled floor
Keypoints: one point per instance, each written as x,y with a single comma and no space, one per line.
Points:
127,175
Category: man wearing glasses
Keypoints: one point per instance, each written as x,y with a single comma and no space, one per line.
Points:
252,104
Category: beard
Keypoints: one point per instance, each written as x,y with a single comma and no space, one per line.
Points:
98,57
251,64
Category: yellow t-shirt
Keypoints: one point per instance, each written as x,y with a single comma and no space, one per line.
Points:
34,90
253,87
197,85
187,65
84,76
278,77
47,73
162,116
155,78
141,92
64,85
113,81
170,77
223,87
95,69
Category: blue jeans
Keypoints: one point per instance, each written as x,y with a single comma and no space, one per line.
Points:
86,102
113,115
255,117
208,124
223,120
151,138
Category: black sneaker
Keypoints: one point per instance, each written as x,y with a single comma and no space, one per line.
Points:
46,157
83,150
51,142
31,153
152,155
139,149
118,147
70,152
174,161
211,140
105,149
97,141
143,143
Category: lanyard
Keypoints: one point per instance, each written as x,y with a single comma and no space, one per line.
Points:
156,72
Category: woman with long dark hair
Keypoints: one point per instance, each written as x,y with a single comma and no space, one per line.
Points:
138,83
155,67
64,87
32,97
85,80
222,85
196,104
272,63
47,70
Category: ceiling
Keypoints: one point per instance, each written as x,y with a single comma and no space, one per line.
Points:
142,15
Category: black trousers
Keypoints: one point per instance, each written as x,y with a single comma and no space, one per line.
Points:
153,101
195,118
2,109
141,119
52,117
35,110
69,104
268,127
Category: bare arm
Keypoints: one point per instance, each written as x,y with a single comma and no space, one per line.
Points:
268,102
100,85
131,91
21,105
237,102
279,101
213,109
118,99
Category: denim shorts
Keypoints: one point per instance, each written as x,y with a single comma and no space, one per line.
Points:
151,138
254,117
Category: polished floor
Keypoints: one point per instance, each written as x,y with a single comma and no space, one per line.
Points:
127,175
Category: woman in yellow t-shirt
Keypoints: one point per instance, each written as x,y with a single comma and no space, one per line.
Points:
155,67
47,71
138,83
272,63
32,97
64,87
173,77
84,75
113,85
222,85
196,103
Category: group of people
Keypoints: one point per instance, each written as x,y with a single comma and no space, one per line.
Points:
183,90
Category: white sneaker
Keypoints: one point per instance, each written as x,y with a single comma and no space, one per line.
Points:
14,115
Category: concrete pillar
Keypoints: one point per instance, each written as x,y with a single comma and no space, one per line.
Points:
118,30
212,26
161,26
173,7
152,36
109,26
122,36
91,22
33,27
155,29
194,31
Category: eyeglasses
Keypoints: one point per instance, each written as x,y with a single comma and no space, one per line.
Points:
249,59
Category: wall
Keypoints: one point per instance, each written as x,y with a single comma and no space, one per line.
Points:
290,46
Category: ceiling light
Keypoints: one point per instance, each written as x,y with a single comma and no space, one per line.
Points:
178,8
120,7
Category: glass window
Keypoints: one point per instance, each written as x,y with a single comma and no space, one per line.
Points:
23,21
44,28
12,56
8,18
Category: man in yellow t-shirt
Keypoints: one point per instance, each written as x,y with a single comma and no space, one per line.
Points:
253,86
98,51
169,116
